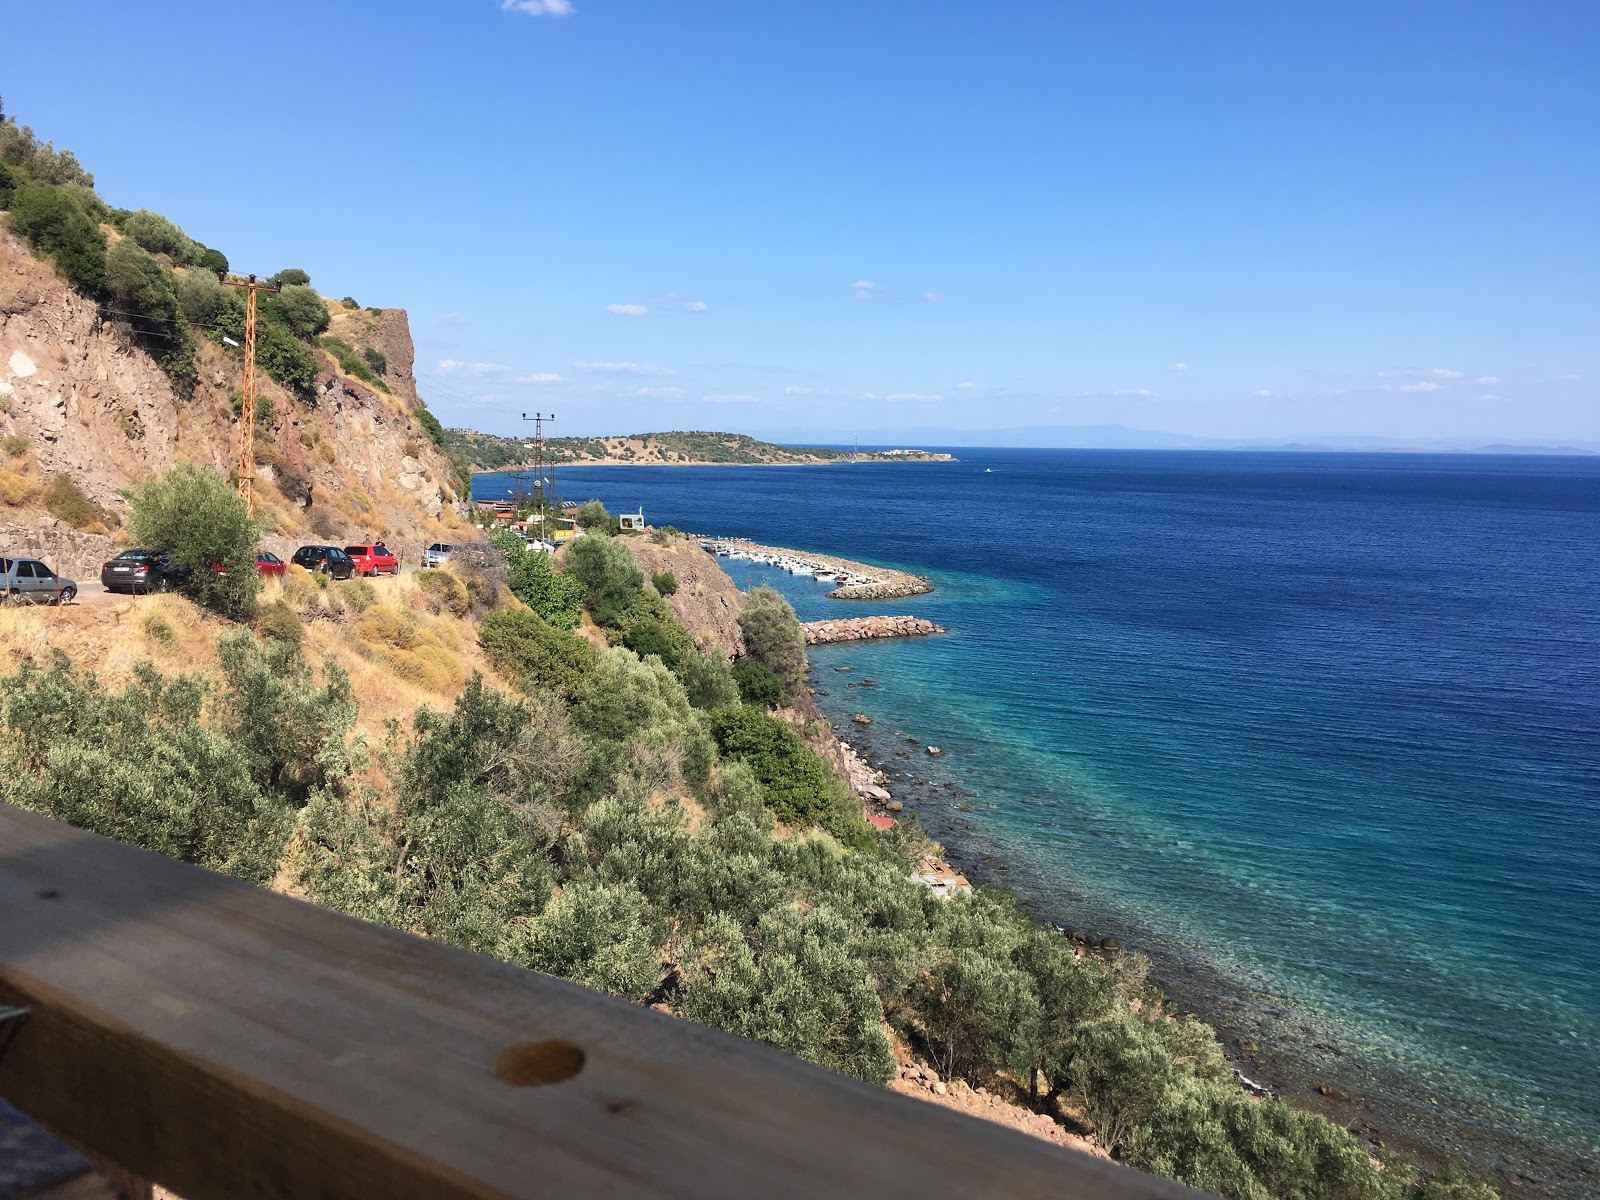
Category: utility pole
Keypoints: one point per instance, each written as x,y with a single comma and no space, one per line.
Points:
247,411
545,483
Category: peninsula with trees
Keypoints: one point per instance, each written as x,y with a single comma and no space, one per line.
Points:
486,452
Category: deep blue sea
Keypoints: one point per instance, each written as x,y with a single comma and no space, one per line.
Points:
1318,732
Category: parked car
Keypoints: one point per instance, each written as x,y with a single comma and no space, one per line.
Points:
267,563
138,571
29,581
437,554
372,559
331,559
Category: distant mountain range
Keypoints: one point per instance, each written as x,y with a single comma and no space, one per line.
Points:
1121,437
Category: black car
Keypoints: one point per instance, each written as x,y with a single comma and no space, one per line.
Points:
331,559
141,571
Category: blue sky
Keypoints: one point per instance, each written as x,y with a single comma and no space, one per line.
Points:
1266,220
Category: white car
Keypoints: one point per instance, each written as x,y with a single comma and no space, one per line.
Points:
437,554
29,581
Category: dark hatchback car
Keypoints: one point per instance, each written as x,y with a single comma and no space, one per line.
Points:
141,571
331,559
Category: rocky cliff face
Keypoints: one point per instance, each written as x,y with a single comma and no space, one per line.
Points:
79,398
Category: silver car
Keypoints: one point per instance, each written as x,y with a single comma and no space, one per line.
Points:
29,581
437,554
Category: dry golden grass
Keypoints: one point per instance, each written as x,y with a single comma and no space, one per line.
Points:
109,638
399,655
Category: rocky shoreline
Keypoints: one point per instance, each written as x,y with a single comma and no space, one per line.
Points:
1290,1054
858,629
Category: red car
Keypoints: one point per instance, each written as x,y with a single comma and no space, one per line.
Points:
370,560
268,563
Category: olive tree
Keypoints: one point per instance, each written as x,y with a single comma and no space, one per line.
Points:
192,514
773,637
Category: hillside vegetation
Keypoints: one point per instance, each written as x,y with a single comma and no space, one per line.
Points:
578,789
115,359
485,452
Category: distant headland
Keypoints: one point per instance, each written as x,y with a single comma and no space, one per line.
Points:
486,452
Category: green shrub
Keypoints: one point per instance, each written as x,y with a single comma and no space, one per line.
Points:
796,784
640,724
350,362
9,180
592,515
611,579
290,277
707,681
158,235
15,445
557,596
524,646
278,621
201,297
430,423
599,936
665,583
757,683
214,261
773,637
376,359
302,309
142,296
291,362
193,513
66,501
667,640
20,148
802,992
57,226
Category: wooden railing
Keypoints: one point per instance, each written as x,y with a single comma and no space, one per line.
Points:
224,1040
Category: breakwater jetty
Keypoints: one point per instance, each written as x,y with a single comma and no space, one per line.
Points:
852,580
860,629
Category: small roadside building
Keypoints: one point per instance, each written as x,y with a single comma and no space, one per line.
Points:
633,521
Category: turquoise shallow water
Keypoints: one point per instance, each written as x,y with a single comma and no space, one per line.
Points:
1321,733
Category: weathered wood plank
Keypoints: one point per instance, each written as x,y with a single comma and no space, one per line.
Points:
226,1041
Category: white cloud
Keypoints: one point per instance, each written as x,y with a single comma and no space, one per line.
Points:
539,377
1570,378
628,310
1422,385
1419,373
933,297
730,398
666,393
912,396
696,306
1179,367
538,8
1135,392
450,318
1490,380
797,391
1487,396
1262,392
865,289
966,387
451,366
623,368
